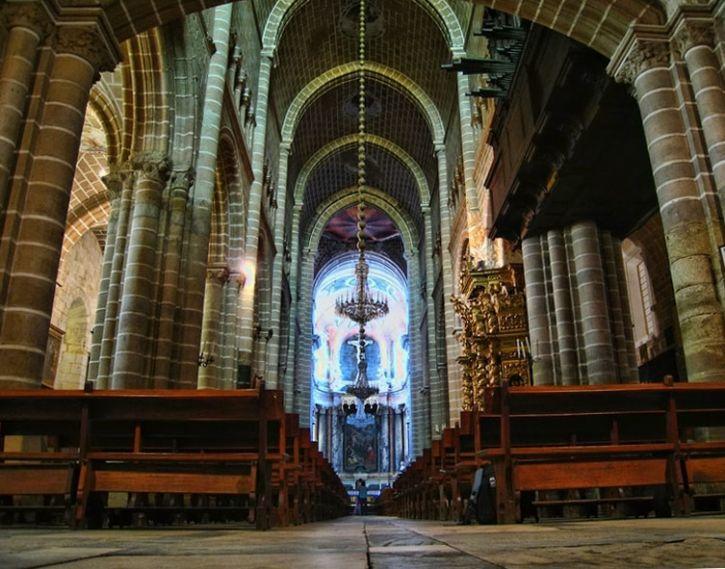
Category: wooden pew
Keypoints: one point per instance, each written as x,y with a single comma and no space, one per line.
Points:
39,441
187,447
596,449
544,439
170,456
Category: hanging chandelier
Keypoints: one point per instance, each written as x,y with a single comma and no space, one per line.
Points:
361,307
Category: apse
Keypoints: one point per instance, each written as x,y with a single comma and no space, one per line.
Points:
373,444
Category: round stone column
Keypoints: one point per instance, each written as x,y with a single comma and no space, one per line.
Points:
114,185
438,412
80,51
273,349
303,375
171,279
27,24
696,42
453,394
197,252
289,379
216,277
565,330
600,366
246,341
646,65
107,335
133,336
537,311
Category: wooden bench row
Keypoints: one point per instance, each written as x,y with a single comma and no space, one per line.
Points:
587,450
121,457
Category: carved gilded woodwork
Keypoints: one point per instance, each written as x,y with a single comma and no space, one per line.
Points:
494,330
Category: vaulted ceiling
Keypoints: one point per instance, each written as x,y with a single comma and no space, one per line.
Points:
404,40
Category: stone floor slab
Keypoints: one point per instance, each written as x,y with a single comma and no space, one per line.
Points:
377,543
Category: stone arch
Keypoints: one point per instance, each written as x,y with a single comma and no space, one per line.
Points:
104,104
439,10
230,176
146,112
219,235
349,197
600,24
318,84
351,140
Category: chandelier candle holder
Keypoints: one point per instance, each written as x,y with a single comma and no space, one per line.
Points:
361,307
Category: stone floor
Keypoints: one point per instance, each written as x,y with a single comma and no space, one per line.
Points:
375,542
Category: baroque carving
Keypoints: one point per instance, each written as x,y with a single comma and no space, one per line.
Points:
644,55
494,330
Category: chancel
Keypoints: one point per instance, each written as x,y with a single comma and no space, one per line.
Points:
376,268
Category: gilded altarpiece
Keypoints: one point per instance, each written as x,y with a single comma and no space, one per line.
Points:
494,330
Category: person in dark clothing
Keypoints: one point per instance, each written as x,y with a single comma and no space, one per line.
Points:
362,497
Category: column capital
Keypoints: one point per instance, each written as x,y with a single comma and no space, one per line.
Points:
693,33
182,179
154,165
34,16
439,147
91,39
218,273
639,55
285,145
114,181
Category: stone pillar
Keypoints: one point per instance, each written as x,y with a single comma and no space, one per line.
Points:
30,270
203,197
289,379
476,237
107,335
438,412
577,307
452,347
134,334
646,64
625,357
561,293
695,40
171,278
255,209
228,349
592,303
114,185
537,309
273,350
303,376
27,24
216,278
419,394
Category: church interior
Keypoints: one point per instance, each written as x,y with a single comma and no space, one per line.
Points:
402,271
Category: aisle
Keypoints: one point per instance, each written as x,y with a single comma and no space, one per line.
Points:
376,543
